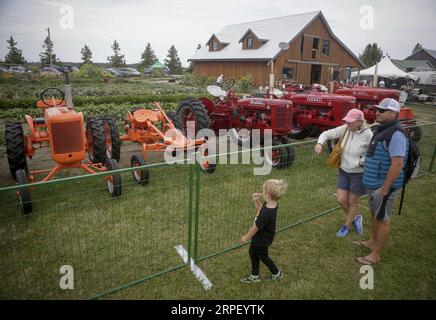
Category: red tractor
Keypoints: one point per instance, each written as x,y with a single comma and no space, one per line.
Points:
368,97
315,112
227,111
62,130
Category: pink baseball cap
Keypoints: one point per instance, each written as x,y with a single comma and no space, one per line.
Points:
353,115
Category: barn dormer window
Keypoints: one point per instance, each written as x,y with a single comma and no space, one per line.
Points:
214,45
250,43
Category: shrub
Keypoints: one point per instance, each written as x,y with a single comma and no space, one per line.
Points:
245,84
90,71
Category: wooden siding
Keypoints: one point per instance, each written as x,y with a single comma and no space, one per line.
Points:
235,69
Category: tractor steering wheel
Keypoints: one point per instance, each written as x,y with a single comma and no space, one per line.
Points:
228,84
50,103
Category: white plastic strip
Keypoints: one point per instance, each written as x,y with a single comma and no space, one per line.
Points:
198,273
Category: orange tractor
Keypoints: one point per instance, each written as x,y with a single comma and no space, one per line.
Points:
155,130
62,130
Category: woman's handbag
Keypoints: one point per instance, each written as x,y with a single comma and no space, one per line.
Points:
334,159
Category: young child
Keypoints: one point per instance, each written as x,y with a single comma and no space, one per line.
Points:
263,230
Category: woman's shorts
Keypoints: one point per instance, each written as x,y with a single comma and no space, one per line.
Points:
352,182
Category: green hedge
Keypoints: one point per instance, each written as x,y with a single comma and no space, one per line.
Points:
25,103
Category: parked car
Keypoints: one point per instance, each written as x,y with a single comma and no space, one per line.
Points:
124,72
50,71
19,69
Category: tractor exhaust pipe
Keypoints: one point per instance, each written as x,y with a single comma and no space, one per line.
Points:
68,92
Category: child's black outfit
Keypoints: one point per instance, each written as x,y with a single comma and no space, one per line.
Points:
266,222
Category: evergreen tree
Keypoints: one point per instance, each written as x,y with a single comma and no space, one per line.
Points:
371,55
86,55
172,61
15,55
148,57
417,48
117,60
45,55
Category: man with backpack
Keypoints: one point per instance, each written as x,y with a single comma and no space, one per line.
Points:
384,175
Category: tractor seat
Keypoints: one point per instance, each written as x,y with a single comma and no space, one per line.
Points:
39,121
142,115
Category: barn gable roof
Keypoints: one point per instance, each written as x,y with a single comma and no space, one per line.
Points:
275,30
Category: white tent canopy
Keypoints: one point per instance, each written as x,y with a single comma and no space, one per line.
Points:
426,77
385,69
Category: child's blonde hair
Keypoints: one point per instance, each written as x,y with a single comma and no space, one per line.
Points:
275,188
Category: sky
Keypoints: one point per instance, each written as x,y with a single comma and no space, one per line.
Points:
396,26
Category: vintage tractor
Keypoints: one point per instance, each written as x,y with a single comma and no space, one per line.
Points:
368,97
315,112
62,130
240,116
155,130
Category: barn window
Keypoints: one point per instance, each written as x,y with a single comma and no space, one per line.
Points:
315,45
214,46
325,47
250,43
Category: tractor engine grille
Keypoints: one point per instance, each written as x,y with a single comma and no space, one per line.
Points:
280,119
67,137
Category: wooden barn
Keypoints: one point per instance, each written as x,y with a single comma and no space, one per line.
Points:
315,54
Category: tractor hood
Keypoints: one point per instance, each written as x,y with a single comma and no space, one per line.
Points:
320,98
264,102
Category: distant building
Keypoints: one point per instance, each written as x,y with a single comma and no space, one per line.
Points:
314,55
424,55
413,65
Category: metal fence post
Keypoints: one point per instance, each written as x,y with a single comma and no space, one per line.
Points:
197,209
191,190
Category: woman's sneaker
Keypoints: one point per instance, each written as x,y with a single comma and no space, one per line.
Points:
275,277
343,231
250,279
357,224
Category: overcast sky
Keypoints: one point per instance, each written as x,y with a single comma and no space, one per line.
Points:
397,25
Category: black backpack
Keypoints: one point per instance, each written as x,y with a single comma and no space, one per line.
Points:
412,164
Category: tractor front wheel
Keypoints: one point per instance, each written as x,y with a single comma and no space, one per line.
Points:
95,134
114,181
15,146
141,176
291,151
113,142
415,133
278,156
24,194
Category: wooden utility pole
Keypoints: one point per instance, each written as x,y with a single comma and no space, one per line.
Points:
49,48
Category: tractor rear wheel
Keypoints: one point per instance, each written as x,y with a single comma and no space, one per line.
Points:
114,181
113,142
96,137
193,110
175,119
278,156
24,194
141,176
15,146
